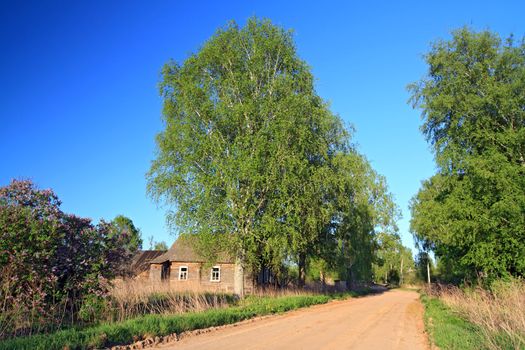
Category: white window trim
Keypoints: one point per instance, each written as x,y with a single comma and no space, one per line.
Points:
211,275
187,273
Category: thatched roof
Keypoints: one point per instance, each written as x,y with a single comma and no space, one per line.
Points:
182,251
141,260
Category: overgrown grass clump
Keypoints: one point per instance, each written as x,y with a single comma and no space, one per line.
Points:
447,330
497,311
126,332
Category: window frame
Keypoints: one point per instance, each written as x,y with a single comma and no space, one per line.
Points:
187,272
218,274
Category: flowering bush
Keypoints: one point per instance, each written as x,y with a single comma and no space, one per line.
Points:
50,262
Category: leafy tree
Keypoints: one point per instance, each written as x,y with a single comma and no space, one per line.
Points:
124,226
254,161
394,262
472,212
244,130
363,206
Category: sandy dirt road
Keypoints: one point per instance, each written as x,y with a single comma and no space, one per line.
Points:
391,320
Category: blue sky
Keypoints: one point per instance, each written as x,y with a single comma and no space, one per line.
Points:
79,106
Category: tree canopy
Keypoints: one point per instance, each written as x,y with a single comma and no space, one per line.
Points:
124,226
472,212
252,160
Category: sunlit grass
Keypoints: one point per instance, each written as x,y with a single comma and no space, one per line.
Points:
142,327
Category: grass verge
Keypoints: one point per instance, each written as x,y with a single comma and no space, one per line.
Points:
447,330
106,335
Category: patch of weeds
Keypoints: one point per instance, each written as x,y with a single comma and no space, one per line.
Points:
448,330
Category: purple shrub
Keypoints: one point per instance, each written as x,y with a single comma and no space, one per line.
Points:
50,261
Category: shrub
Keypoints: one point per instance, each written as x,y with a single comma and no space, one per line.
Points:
50,261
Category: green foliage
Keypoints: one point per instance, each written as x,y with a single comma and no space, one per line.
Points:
50,261
447,330
91,309
363,206
394,263
256,164
471,213
124,226
237,114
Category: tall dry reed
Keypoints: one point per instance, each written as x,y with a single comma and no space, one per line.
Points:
499,312
131,298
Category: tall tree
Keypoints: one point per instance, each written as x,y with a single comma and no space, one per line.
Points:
364,208
241,120
472,212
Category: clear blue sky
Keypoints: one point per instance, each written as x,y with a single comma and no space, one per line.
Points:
79,107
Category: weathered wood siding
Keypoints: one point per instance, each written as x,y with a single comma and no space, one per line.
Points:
155,272
199,277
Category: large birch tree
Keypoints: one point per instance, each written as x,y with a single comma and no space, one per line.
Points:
245,132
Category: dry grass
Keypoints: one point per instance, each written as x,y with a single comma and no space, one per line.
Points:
132,298
499,312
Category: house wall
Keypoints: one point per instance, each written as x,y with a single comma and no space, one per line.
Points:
199,277
143,276
155,272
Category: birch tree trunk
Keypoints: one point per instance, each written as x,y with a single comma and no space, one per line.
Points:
428,272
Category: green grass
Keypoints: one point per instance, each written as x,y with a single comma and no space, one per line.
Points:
449,331
106,335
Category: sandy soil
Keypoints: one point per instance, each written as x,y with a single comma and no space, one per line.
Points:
391,320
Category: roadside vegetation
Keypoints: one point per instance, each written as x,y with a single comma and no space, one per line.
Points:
132,298
484,318
447,329
149,326
55,267
471,213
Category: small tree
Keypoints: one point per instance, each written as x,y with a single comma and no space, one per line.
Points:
124,226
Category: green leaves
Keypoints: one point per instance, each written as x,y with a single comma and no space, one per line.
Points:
241,120
252,159
473,111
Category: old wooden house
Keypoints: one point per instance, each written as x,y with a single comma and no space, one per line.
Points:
140,263
184,269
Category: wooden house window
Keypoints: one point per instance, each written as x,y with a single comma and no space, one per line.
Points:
216,274
183,273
